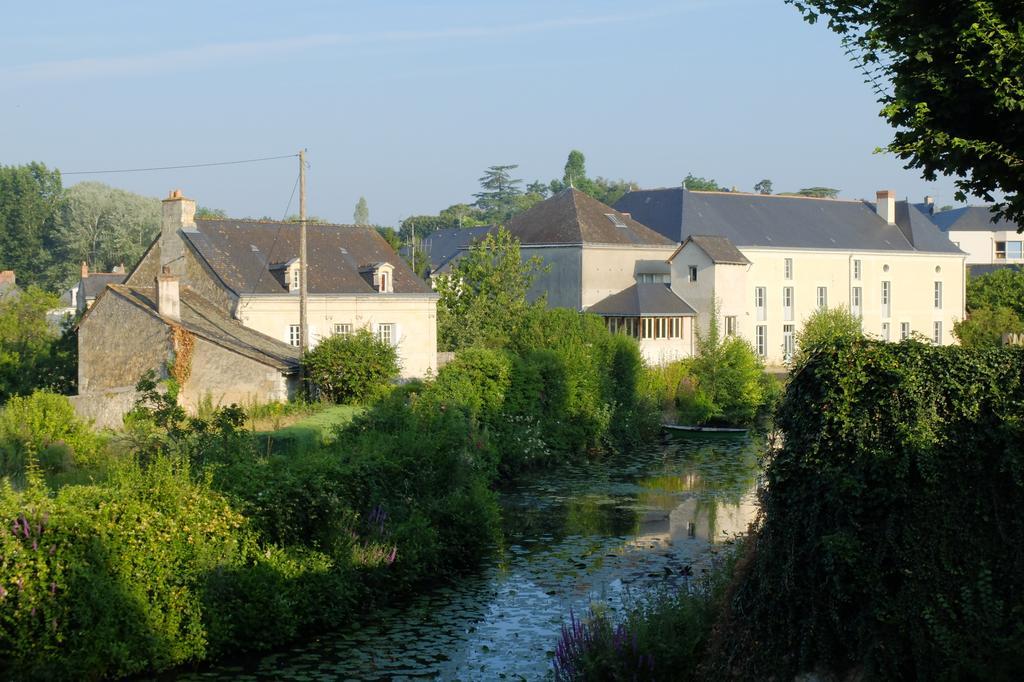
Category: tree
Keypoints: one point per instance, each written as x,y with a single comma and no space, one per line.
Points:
104,227
817,192
32,354
539,188
361,216
984,328
29,199
957,86
1003,288
763,187
498,193
693,182
575,168
483,298
351,368
207,213
826,327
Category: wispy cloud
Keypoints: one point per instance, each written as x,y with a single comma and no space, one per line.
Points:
205,56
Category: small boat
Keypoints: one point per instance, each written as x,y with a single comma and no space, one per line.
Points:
704,429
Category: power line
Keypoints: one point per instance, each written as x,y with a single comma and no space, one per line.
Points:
190,165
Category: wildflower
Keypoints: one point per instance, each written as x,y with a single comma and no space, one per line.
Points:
53,588
3,592
393,555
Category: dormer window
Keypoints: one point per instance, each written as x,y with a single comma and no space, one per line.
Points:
293,279
383,278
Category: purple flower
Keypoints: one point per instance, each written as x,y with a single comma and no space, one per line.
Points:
21,583
25,527
35,545
393,555
3,592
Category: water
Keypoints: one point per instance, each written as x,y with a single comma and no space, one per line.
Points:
604,532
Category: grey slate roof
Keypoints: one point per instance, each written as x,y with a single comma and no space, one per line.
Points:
647,300
208,322
718,249
96,282
442,245
986,269
971,219
572,217
783,221
245,253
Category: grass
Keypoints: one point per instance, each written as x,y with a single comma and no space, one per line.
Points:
308,432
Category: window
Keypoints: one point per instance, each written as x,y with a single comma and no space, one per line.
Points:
762,340
822,297
885,332
886,299
631,326
760,301
661,328
383,282
649,278
1013,250
293,334
647,327
787,268
855,301
1000,250
938,295
613,324
693,273
295,277
856,269
616,220
788,341
730,325
787,303
343,329
904,331
386,332
937,333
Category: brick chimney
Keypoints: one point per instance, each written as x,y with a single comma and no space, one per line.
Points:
886,205
7,277
929,201
85,269
178,213
168,301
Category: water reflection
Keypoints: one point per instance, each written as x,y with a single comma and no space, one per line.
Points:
597,531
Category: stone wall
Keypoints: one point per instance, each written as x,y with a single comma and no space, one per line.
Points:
192,270
118,343
105,409
226,377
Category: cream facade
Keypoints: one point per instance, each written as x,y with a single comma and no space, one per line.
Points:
896,293
407,321
998,247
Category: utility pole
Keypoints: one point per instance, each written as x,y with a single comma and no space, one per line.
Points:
303,292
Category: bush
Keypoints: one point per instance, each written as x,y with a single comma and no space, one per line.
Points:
351,368
45,426
892,537
984,328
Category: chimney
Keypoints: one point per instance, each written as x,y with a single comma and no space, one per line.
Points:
929,201
118,269
85,269
627,214
886,206
178,213
168,301
7,277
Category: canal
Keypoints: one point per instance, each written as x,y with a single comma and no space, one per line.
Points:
608,531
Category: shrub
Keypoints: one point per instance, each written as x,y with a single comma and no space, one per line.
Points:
45,425
351,368
826,327
985,327
892,537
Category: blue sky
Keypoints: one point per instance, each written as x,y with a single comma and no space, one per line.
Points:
407,103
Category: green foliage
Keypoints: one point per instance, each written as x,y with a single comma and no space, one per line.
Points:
727,385
45,426
763,187
361,214
984,327
353,367
575,175
892,535
1003,288
824,328
483,298
699,184
957,86
499,196
32,355
207,213
30,196
663,637
817,192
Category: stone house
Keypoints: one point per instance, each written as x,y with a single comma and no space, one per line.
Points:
229,291
770,261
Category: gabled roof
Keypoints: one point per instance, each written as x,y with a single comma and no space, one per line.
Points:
572,217
243,253
977,270
442,245
971,219
783,221
210,323
96,282
647,300
720,250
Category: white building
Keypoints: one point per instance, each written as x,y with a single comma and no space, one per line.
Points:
985,242
770,261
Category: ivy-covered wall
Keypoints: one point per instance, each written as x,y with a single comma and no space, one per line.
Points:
892,538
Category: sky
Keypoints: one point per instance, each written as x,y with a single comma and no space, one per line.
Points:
406,103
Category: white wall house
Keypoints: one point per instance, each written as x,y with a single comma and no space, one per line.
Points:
769,262
985,242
